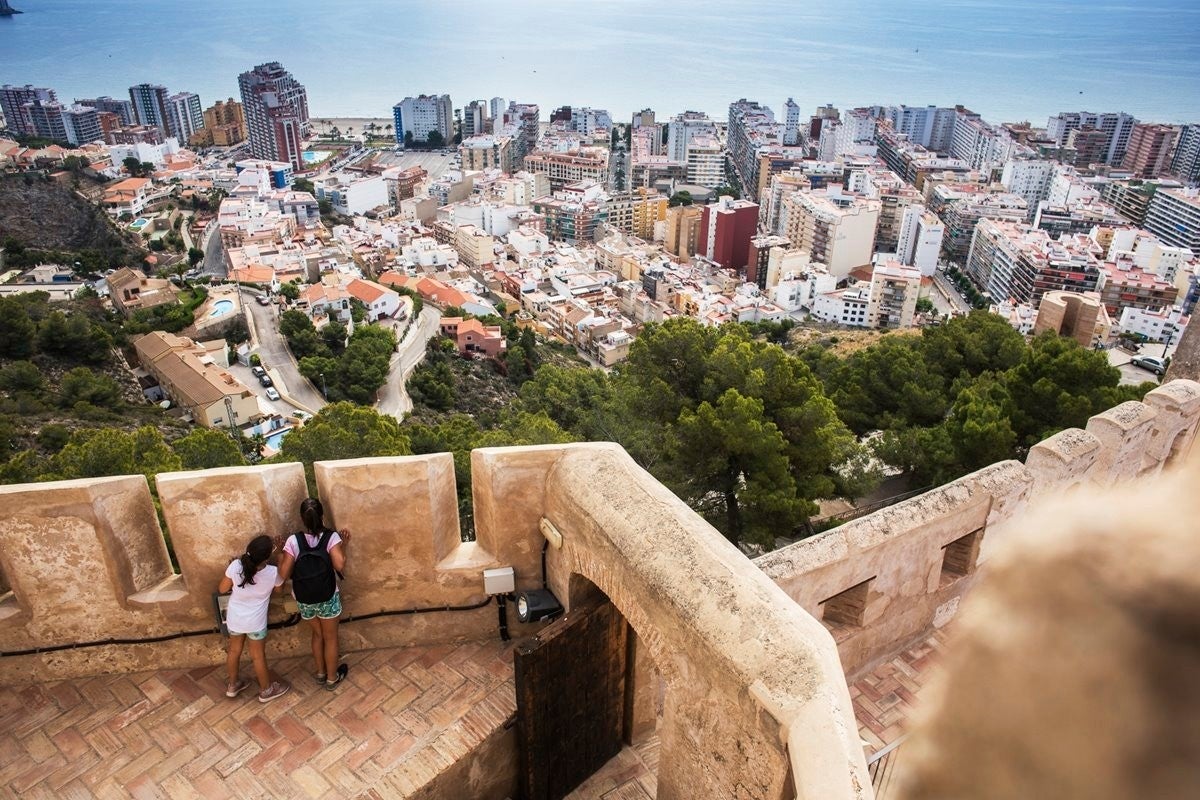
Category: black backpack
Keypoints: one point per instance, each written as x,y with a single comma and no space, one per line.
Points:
312,577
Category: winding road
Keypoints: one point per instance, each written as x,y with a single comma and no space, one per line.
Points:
273,351
393,397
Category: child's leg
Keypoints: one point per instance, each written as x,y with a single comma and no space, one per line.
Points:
236,642
318,646
329,633
258,654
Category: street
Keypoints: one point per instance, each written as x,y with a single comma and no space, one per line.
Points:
214,258
393,397
945,296
273,351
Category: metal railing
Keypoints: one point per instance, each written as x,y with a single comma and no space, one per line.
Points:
882,767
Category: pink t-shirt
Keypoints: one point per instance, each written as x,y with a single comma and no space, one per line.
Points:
247,611
290,547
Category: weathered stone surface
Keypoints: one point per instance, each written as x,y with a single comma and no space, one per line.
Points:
1124,433
714,625
1062,461
1071,669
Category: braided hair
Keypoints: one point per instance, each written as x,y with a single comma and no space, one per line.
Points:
257,552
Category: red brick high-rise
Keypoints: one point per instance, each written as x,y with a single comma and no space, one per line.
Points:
1149,150
726,228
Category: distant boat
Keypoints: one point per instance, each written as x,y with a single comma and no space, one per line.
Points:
6,10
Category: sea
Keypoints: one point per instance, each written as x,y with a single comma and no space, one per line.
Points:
1008,60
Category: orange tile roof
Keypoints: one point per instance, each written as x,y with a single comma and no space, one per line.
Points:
365,290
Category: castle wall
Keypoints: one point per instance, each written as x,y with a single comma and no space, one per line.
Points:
86,561
904,550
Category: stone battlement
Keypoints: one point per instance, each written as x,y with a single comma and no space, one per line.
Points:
86,562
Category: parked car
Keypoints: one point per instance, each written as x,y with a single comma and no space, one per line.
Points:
265,380
258,371
272,394
262,299
1152,363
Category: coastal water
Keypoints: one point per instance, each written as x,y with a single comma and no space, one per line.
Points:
1006,59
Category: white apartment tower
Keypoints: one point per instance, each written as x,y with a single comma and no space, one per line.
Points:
1029,178
791,122
931,127
683,128
1118,126
921,235
423,115
185,116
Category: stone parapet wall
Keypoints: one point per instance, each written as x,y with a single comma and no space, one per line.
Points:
911,554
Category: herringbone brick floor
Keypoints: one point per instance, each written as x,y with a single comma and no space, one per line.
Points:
175,735
884,698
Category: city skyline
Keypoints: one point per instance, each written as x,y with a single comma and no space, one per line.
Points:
698,63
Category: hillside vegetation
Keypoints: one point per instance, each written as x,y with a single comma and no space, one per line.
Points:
42,219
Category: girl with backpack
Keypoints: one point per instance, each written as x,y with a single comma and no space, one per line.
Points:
313,559
251,581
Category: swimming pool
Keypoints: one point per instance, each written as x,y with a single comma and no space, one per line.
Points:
276,438
139,223
316,156
221,307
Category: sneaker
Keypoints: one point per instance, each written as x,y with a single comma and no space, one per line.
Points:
273,691
341,676
234,689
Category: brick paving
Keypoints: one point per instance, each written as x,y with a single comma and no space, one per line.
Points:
398,716
884,698
394,720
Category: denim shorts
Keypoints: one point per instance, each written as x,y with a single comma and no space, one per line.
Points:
330,609
256,636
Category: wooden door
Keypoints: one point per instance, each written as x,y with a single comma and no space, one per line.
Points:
570,682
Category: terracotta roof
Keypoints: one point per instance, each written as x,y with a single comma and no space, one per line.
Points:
128,185
366,291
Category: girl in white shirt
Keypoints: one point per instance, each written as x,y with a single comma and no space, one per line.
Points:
252,581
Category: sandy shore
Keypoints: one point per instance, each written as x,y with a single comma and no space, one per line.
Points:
344,123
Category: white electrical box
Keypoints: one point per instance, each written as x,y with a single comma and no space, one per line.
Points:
501,580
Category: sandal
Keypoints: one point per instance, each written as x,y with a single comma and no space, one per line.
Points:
341,676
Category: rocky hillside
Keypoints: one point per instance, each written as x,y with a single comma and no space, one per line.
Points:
47,215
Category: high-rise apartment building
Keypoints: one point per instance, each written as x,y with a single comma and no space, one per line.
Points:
791,122
46,119
417,117
475,119
1174,217
82,124
1117,128
527,117
683,128
224,125
1186,163
12,103
980,145
726,228
122,108
150,106
643,118
184,115
497,105
931,127
1013,261
920,241
275,105
834,227
894,291
1029,178
587,164
751,127
705,162
683,230
1149,150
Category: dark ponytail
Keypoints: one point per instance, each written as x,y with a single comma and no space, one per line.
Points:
313,516
258,551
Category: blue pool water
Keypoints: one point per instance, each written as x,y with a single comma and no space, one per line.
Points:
275,439
139,223
221,307
315,156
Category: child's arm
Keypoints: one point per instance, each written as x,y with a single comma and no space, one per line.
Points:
225,586
337,554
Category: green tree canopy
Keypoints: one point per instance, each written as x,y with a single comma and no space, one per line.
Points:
99,452
205,448
17,330
344,430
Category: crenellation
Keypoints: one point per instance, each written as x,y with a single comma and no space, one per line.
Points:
1125,433
1062,461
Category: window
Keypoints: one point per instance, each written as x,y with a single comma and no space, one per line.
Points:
846,609
958,557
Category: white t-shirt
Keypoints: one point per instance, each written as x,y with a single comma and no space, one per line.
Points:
247,612
292,549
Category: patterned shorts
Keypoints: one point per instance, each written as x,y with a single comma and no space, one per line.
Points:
330,609
256,636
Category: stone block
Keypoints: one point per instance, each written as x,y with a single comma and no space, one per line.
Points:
1124,433
1062,461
